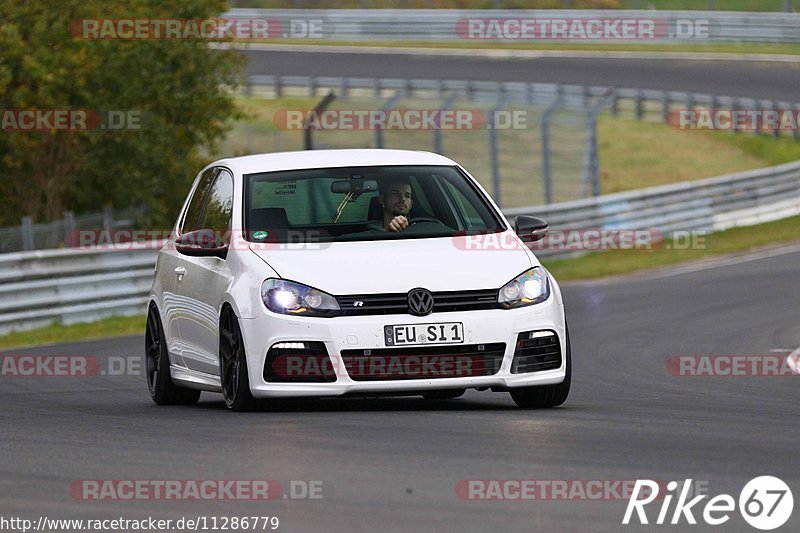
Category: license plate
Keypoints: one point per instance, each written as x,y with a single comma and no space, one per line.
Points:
438,333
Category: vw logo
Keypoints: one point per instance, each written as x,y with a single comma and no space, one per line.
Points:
420,302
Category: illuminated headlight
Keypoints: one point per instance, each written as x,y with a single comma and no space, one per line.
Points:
530,287
290,298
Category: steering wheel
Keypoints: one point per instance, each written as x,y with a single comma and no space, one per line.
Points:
423,219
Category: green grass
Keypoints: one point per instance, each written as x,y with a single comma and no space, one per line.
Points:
616,262
117,326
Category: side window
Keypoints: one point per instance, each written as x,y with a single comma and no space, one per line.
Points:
192,220
217,213
465,209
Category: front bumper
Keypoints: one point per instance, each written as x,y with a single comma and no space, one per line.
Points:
366,332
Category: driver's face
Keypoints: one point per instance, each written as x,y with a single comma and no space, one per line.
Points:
397,200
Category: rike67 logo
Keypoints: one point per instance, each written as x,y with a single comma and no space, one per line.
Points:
765,503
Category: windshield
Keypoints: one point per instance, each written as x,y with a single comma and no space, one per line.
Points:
364,203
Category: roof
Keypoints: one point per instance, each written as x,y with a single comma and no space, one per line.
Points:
251,164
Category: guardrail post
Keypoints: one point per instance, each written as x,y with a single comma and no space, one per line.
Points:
796,129
615,103
278,86
639,105
312,87
787,5
343,88
26,228
376,87
759,108
734,109
665,106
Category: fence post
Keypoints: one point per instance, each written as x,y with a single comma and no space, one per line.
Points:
386,107
665,106
493,148
545,131
438,145
69,229
108,217
27,233
307,129
278,87
787,5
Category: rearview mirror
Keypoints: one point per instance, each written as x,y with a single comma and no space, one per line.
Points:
356,185
530,229
201,243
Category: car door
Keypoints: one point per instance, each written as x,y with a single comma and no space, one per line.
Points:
202,281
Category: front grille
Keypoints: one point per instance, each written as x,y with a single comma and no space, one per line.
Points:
543,352
397,304
426,362
298,362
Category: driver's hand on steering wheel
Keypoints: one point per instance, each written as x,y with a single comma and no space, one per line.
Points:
398,223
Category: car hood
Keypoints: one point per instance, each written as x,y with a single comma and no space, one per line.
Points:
396,266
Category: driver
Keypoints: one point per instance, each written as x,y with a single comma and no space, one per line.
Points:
396,198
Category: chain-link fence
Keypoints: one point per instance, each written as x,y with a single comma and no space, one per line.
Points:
64,233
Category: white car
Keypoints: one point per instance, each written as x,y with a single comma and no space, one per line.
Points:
351,272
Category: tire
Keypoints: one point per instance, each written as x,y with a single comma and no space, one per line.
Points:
233,374
546,396
444,394
162,390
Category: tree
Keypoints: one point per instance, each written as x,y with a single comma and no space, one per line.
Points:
178,89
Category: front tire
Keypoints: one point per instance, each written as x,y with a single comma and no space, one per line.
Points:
162,390
546,396
233,365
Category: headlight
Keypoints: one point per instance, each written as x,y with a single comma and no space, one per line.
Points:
290,298
530,287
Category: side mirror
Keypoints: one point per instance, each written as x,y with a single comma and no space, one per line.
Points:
530,229
201,243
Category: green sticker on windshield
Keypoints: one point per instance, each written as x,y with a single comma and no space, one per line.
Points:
260,235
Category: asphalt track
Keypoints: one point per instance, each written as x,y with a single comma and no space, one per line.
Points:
754,79
393,464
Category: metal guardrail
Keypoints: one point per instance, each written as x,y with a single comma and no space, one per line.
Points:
708,205
441,25
75,285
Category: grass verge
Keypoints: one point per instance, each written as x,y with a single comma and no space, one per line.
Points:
616,262
116,326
